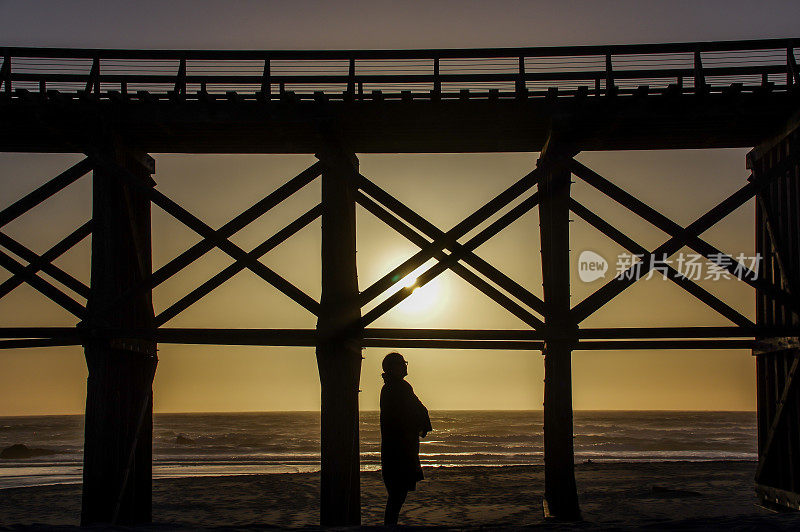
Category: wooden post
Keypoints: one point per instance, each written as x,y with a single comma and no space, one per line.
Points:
561,498
338,345
777,222
117,461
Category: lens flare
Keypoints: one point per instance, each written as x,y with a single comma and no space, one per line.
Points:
423,299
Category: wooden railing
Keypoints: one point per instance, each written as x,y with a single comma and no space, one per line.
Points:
698,67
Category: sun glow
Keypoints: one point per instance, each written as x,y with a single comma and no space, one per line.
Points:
422,303
424,299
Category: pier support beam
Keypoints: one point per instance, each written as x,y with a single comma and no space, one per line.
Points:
560,492
117,460
338,346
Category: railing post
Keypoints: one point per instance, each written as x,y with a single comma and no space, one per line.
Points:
560,491
437,80
93,83
521,80
351,77
611,89
266,81
5,73
180,79
338,344
792,73
117,460
699,77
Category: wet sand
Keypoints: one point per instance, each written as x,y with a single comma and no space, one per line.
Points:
660,496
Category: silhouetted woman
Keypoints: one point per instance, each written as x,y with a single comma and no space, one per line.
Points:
404,419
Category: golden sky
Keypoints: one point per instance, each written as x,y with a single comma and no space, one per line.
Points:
443,187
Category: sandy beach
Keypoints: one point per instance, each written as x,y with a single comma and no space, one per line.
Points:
669,495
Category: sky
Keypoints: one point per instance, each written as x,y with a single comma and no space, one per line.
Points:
683,184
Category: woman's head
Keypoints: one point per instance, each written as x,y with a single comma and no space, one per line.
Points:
395,365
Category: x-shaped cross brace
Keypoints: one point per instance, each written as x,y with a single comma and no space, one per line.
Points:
680,236
218,238
28,274
448,240
684,282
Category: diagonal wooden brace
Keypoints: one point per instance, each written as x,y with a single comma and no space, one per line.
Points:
450,238
617,285
776,243
227,230
673,229
237,224
493,293
44,262
225,245
52,187
778,418
687,284
431,231
217,280
53,293
442,266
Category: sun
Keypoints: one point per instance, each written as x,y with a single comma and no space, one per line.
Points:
423,299
422,303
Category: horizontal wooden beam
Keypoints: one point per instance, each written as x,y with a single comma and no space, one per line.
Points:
28,343
265,337
684,332
774,344
646,345
408,343
412,81
452,334
248,125
260,338
433,339
776,498
40,332
605,333
428,53
39,336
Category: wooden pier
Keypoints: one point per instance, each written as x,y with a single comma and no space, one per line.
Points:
118,106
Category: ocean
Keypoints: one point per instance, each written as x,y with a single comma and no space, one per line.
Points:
288,442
